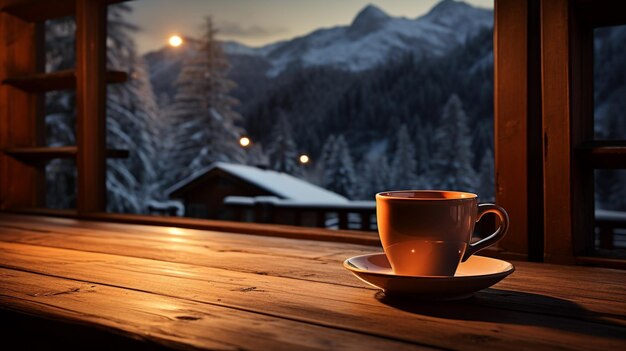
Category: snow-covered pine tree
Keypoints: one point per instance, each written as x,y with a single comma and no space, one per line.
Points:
60,115
327,149
203,125
316,173
339,173
486,186
374,177
282,150
403,173
133,121
451,165
422,141
132,118
256,156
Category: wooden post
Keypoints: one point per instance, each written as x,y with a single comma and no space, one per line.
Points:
343,219
91,16
21,112
511,113
365,220
567,87
320,218
581,54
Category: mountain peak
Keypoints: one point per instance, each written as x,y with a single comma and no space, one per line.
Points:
447,6
452,14
371,12
369,19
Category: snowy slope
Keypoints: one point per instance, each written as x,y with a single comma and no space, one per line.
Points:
374,37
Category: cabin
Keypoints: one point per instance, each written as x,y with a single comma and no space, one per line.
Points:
203,192
89,278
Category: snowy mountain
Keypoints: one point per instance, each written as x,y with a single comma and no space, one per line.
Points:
371,39
374,37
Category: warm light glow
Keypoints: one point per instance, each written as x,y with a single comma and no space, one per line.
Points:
175,41
175,231
304,159
244,141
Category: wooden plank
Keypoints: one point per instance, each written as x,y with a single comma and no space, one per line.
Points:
46,153
343,307
581,95
21,113
534,172
601,262
284,231
241,253
567,86
607,154
556,125
511,111
178,323
91,17
176,249
61,80
206,240
215,249
38,10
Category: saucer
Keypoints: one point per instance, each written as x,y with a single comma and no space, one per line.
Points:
475,274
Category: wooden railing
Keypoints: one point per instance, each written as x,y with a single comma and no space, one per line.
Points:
355,215
611,230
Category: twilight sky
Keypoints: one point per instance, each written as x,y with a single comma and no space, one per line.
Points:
258,22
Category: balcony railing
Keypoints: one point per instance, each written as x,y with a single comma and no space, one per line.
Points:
355,215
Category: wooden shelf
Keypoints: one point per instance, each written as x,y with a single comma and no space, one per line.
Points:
605,154
61,80
48,153
38,10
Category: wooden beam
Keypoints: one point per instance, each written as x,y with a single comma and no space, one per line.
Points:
41,10
21,113
91,17
567,86
511,113
581,59
61,80
556,127
607,154
35,154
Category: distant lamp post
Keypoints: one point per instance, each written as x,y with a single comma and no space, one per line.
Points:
175,41
304,159
244,142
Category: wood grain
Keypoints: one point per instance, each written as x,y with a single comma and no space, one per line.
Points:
567,111
303,281
91,18
511,113
342,307
60,80
21,113
178,323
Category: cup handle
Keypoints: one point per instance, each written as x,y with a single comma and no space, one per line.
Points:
493,238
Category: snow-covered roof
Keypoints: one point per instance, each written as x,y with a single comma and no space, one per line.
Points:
280,184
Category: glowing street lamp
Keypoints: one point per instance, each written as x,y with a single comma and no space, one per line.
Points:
304,159
175,41
244,141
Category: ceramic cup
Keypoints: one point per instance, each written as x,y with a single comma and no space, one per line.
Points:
428,233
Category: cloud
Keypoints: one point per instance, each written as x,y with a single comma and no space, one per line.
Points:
254,31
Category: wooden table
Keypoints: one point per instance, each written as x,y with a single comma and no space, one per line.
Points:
148,287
